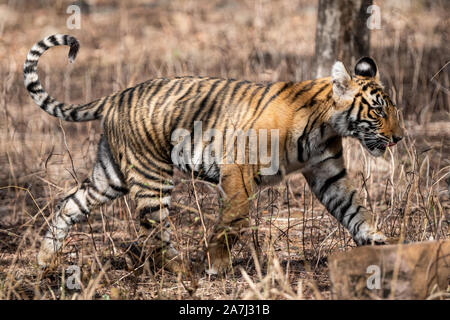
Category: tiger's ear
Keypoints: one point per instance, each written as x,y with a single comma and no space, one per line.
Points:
366,67
341,79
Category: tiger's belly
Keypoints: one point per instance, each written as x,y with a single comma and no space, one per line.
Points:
204,171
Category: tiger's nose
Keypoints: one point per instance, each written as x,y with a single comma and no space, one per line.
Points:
396,138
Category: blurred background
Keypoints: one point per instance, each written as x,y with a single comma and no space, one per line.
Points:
127,42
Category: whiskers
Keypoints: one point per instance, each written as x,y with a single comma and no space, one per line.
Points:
375,141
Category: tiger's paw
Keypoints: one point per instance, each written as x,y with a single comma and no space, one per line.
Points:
46,257
219,262
140,255
368,236
169,259
217,268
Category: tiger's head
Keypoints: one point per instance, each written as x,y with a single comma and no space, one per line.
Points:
363,109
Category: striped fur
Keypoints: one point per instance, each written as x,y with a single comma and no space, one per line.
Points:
135,151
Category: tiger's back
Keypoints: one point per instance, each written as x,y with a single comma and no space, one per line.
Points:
148,114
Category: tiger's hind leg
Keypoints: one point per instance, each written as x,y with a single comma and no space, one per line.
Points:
105,184
151,189
237,183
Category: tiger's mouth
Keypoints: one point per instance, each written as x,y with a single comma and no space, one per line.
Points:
379,147
391,144
376,147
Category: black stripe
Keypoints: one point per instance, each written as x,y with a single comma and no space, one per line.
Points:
236,89
357,226
273,97
29,69
336,156
325,110
73,115
92,189
263,95
90,200
216,104
72,220
144,174
150,167
300,142
303,90
45,102
42,45
53,40
159,86
100,107
224,103
80,207
169,90
329,142
311,100
322,129
31,86
331,199
330,181
146,210
122,96
358,118
55,111
346,206
103,165
148,187
364,101
349,111
336,205
119,189
300,150
140,195
35,53
204,102
168,114
191,105
60,107
244,94
151,135
353,215
176,121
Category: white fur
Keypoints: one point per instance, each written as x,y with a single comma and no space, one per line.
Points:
341,84
339,73
364,66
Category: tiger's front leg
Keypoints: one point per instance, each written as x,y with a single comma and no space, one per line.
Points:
237,183
329,182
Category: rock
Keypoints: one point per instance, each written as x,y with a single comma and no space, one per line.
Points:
413,271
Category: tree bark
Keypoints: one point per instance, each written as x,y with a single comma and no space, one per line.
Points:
341,33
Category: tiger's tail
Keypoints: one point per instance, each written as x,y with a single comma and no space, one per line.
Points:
69,112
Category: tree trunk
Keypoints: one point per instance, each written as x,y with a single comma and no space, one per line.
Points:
341,34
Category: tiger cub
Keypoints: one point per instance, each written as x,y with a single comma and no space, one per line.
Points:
147,131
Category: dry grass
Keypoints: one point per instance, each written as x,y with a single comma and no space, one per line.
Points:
124,43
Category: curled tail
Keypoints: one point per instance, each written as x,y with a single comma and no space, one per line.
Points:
69,112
